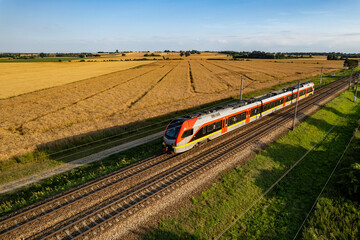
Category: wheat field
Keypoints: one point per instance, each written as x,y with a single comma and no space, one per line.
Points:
130,95
20,78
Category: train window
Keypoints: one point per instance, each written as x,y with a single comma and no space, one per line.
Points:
199,134
242,116
309,90
174,128
289,98
302,92
232,120
265,107
254,111
294,95
218,125
187,133
210,128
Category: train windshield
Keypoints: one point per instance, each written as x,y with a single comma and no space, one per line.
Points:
174,128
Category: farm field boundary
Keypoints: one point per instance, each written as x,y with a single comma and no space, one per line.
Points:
281,212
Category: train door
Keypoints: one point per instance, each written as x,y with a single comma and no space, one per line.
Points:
247,116
224,125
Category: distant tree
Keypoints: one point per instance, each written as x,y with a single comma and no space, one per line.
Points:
42,55
187,53
332,56
123,54
194,52
117,51
182,53
279,55
351,63
81,55
167,51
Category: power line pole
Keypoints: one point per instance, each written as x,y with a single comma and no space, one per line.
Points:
356,90
321,76
296,104
350,77
241,88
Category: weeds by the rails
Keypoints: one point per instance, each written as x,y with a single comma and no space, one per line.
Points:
280,213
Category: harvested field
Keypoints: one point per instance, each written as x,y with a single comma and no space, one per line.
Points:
20,78
122,97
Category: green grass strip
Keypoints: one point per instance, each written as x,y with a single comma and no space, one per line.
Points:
280,213
337,212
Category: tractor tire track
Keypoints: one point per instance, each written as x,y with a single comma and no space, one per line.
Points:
230,70
131,104
192,84
223,81
243,68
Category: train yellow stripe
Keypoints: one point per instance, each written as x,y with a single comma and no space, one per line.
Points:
228,127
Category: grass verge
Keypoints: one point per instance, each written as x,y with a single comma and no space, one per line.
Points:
65,150
280,213
337,212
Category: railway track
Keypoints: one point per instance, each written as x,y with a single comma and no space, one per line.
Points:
172,172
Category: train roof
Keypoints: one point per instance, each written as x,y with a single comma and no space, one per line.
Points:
216,111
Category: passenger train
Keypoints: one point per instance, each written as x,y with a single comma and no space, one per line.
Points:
187,132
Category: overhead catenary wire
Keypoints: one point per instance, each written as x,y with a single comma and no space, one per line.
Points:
277,181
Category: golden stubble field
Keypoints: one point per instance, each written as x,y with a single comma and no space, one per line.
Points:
20,78
134,94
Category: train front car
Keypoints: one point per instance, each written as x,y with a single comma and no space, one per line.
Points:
177,134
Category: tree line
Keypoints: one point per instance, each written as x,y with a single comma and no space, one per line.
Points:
265,55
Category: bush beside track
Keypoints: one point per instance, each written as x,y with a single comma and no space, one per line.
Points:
281,212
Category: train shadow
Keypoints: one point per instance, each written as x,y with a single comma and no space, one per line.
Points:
80,145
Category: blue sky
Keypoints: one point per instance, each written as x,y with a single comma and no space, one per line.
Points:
91,26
